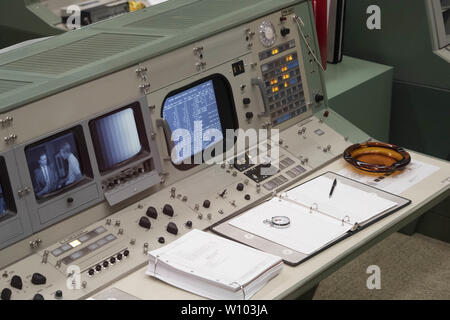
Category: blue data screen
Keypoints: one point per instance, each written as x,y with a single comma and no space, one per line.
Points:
2,202
194,110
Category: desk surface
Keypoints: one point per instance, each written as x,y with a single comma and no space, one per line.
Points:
293,281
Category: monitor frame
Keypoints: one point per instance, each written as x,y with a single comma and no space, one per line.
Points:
15,225
8,195
142,132
84,160
225,107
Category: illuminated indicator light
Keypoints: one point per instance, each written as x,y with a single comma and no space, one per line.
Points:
273,81
274,51
289,58
285,76
274,89
286,84
284,69
75,243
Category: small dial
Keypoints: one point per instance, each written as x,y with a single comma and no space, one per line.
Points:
267,34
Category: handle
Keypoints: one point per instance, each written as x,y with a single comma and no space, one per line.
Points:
162,123
260,84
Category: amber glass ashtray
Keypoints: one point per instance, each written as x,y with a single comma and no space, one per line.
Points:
377,157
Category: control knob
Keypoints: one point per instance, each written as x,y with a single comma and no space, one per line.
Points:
168,210
145,223
172,228
206,204
285,31
152,213
16,282
6,294
38,296
38,279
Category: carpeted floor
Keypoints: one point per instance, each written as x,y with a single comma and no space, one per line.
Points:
412,267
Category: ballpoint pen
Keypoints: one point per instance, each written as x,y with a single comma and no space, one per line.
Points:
332,188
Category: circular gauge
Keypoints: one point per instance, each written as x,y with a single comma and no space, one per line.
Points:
279,222
267,34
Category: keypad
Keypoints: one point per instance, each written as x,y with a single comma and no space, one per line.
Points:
284,88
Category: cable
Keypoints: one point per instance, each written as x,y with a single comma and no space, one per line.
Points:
299,20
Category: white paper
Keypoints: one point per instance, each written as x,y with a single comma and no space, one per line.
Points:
307,232
346,201
397,183
215,258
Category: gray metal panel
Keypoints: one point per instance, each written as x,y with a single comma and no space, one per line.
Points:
17,226
79,53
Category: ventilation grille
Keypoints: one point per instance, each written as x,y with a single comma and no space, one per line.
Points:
192,14
10,85
78,54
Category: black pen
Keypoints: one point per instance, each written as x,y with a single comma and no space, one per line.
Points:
332,188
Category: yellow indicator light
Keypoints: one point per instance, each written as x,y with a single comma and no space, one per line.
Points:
286,84
75,243
284,69
273,81
289,58
285,76
274,51
274,89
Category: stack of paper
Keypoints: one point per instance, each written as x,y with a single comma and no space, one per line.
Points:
213,267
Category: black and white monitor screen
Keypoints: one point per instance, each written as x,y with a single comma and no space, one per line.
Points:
119,137
7,203
56,163
203,110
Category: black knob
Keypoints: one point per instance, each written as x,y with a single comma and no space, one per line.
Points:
16,282
240,187
318,98
152,213
189,224
98,268
249,115
206,204
168,210
70,200
119,257
38,279
161,240
247,197
126,253
144,222
91,272
105,264
38,296
172,228
6,294
112,260
285,31
246,101
58,294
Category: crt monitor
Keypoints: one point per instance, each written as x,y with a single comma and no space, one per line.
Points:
204,106
2,203
58,163
7,203
119,137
